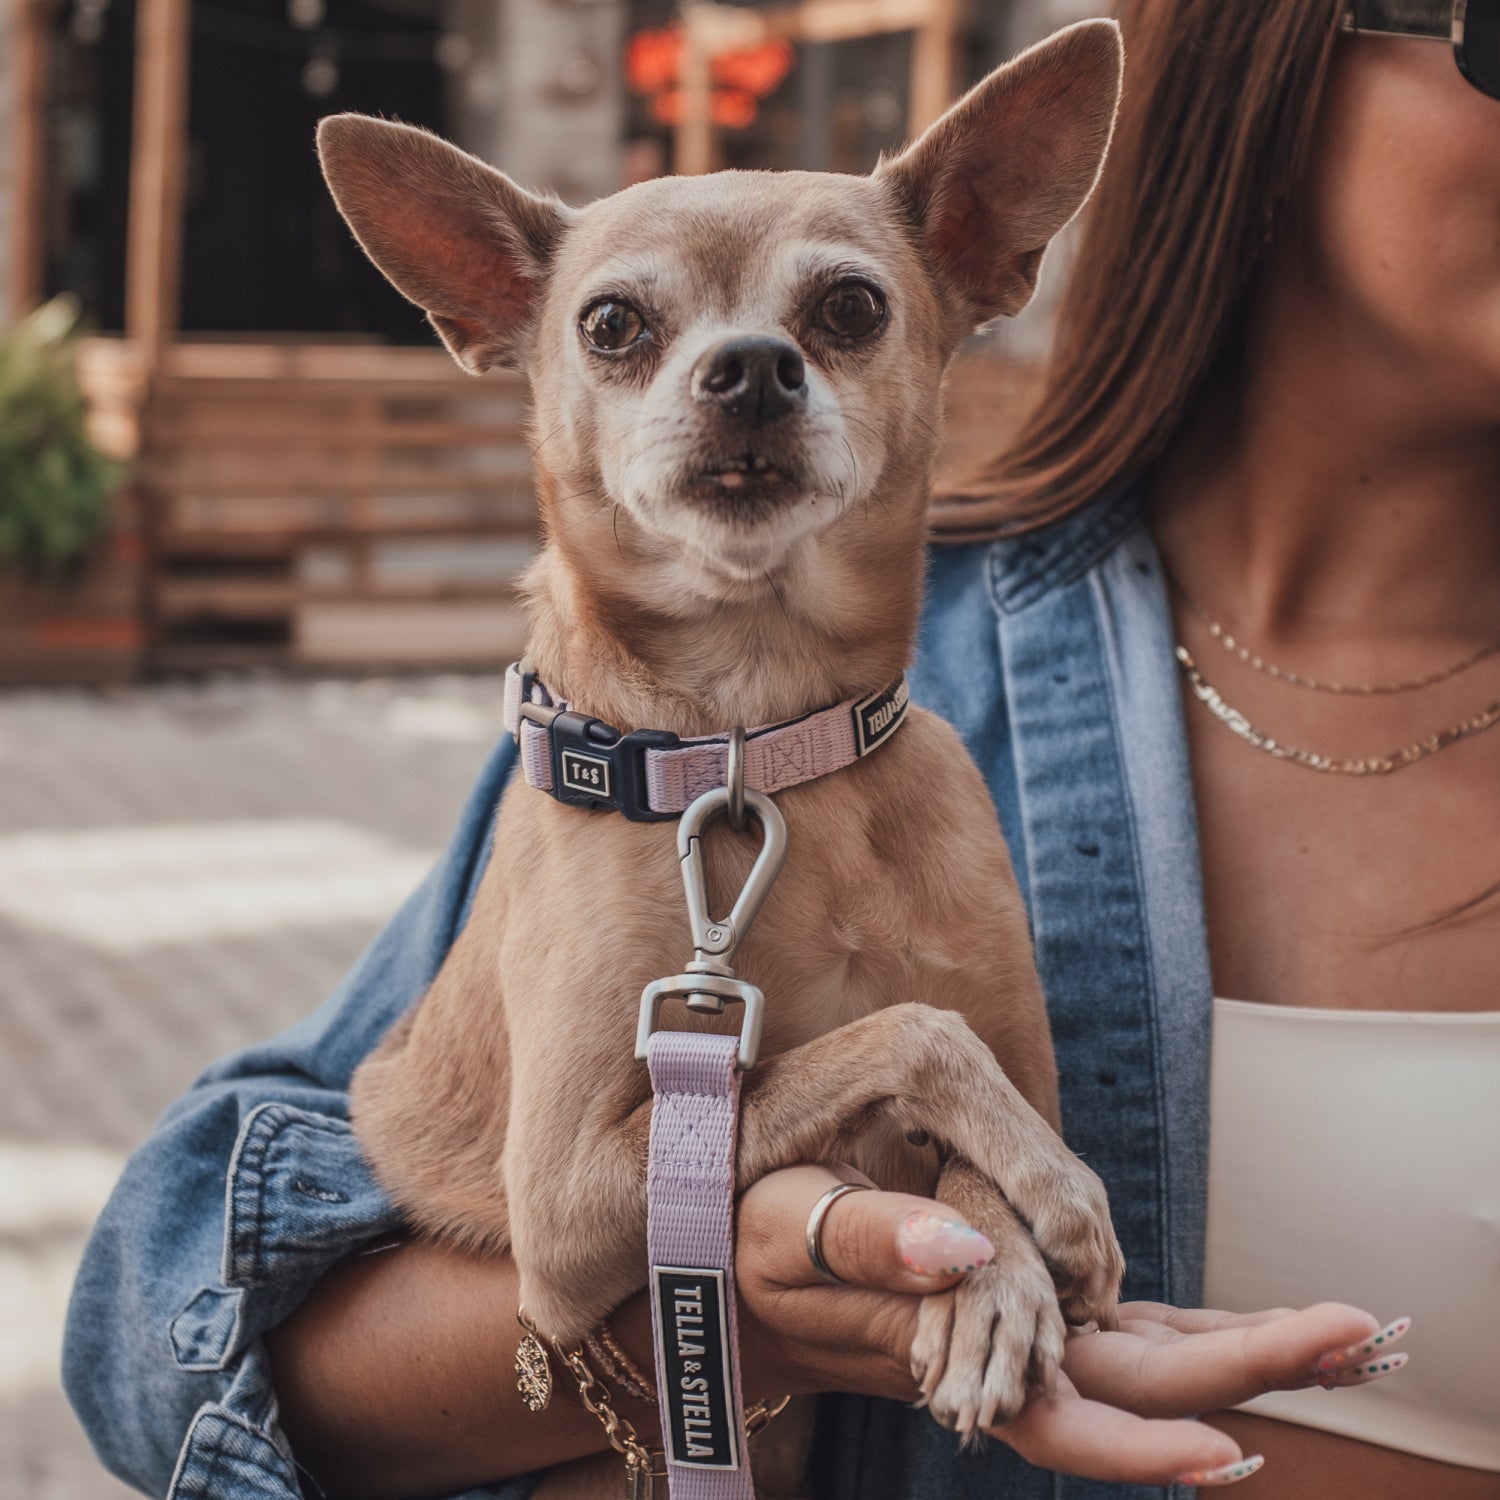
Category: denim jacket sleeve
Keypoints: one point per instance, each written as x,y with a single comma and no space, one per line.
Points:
249,1188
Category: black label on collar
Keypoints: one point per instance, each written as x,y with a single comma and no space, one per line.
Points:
694,1341
588,774
876,717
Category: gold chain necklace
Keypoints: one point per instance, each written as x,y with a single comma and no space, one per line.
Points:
1369,765
1296,679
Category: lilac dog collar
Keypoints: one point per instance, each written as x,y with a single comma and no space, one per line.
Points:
651,774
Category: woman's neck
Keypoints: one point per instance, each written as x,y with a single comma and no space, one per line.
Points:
1334,488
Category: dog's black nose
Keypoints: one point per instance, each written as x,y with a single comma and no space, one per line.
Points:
756,378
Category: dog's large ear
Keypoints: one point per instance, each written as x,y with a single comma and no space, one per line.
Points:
993,180
458,238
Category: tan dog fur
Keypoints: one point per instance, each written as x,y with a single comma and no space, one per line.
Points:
507,1111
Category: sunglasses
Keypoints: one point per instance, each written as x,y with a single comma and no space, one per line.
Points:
1473,26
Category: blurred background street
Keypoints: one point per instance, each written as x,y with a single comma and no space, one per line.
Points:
182,870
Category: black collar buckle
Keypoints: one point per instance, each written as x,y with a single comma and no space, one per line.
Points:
597,767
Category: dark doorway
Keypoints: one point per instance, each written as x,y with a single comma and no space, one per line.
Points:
264,251
86,172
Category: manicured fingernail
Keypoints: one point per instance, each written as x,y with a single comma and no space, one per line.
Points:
1225,1474
1338,1360
934,1246
1375,1369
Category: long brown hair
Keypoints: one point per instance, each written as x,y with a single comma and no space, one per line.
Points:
1221,102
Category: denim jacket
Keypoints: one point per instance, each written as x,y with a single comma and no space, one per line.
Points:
1052,654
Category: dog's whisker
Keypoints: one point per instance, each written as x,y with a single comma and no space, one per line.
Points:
777,592
536,449
853,460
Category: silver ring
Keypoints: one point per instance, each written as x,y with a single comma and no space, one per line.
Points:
734,777
815,1227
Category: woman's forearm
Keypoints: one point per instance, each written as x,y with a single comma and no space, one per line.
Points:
395,1379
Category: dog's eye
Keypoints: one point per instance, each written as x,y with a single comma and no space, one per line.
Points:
852,310
611,326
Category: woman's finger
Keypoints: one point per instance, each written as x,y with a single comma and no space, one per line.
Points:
1098,1441
1193,1372
890,1242
1366,1359
805,1334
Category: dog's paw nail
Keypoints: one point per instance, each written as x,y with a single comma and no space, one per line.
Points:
1375,1369
1337,1361
934,1246
1225,1474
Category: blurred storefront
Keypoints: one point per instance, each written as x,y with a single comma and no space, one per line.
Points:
312,482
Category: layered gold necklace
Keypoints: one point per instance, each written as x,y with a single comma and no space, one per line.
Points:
1364,765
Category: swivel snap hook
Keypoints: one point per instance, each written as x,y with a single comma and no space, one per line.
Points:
716,938
709,982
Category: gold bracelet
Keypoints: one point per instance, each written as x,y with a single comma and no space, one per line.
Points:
606,1351
643,1465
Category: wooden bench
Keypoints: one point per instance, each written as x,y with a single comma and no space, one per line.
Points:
319,505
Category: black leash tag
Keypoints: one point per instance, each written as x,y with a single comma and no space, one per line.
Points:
877,717
694,1344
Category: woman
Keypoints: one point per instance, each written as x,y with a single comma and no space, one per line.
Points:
1226,297
1285,326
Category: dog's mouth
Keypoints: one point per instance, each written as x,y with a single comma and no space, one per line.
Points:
747,477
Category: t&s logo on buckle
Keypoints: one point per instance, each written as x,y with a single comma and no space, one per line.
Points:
586,774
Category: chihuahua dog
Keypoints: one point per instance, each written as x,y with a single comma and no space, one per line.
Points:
737,393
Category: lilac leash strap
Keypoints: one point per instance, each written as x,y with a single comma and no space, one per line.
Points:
690,1239
691,1172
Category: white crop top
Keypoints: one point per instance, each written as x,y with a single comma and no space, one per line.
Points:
1354,1156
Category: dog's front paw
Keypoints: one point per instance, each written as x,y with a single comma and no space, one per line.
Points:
1068,1212
981,1347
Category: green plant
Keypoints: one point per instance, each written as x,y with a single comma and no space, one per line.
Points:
54,484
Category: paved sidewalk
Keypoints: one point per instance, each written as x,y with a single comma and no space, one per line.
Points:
182,871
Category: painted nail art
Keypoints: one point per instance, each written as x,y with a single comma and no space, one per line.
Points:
1375,1369
933,1246
1338,1360
1206,1479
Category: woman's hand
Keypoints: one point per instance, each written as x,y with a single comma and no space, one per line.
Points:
799,1333
1118,1413
1119,1393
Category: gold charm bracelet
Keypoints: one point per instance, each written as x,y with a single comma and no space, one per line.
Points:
643,1465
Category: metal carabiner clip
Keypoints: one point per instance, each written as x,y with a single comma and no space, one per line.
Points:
709,980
